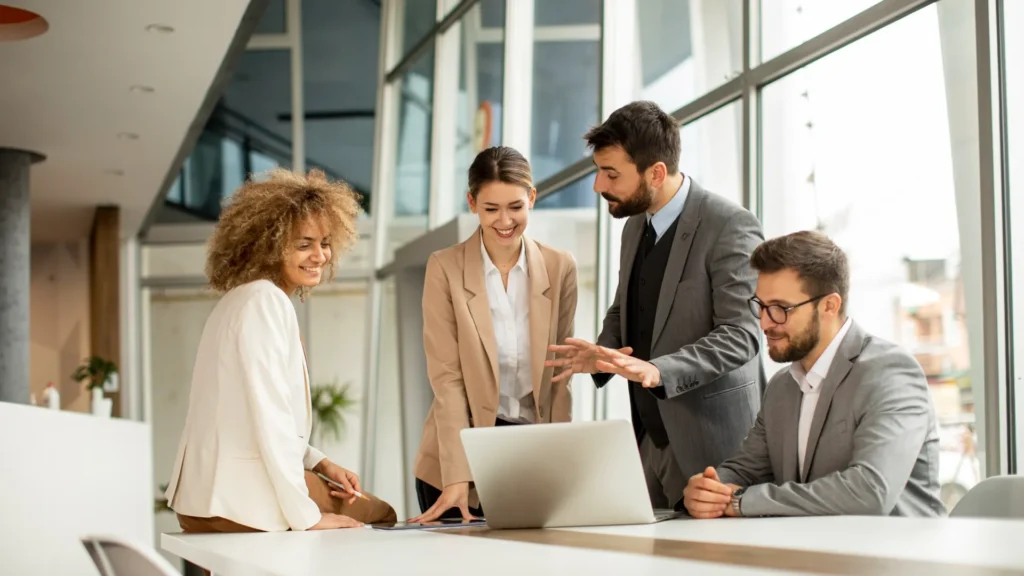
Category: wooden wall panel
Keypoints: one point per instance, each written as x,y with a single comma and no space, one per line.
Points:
104,290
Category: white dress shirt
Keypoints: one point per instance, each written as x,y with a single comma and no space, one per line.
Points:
510,313
810,385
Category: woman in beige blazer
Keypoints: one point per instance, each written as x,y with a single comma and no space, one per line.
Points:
244,461
491,307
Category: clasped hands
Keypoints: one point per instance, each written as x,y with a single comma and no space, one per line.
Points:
705,496
581,357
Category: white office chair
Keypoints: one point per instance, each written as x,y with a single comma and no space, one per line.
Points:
118,557
995,497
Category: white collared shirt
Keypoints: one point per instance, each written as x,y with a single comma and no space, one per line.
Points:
662,219
510,314
810,385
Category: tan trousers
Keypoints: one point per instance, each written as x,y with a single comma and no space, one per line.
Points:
366,511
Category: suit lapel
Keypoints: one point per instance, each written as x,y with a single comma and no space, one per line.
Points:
540,314
849,349
632,234
685,230
791,423
479,304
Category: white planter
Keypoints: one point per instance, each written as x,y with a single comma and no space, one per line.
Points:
99,405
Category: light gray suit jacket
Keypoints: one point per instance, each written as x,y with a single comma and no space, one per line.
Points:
705,340
873,447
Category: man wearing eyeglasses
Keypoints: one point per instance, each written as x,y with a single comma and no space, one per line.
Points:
849,428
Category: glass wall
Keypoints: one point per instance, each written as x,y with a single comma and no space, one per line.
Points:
481,82
1012,12
711,151
826,168
871,133
687,48
412,156
566,82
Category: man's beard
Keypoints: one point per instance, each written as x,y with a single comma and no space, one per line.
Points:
800,345
636,203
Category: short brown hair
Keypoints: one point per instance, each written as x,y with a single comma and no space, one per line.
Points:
821,265
255,228
644,131
499,164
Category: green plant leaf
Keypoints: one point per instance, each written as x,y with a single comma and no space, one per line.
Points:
330,402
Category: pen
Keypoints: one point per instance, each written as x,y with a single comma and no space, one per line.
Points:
333,483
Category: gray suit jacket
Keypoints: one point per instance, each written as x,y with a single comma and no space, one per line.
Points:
873,447
705,340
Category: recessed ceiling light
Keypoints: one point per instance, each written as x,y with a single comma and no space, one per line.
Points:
161,28
142,89
17,24
127,135
114,172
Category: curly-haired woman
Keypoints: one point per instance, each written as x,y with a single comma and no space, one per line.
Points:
244,462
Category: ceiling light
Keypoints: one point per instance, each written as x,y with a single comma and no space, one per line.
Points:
127,135
161,28
18,24
142,89
114,172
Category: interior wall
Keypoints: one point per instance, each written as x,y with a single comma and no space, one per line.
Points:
59,320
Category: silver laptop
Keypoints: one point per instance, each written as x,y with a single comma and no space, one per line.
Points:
560,475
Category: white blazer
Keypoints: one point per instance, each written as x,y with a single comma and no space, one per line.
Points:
245,445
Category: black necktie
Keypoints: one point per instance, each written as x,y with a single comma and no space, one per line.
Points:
650,238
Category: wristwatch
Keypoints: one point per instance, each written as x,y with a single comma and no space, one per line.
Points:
735,502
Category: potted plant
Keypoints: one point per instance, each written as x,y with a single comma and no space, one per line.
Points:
98,372
330,402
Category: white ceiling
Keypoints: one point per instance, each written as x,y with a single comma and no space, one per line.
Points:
67,94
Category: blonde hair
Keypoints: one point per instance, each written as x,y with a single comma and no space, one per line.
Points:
255,229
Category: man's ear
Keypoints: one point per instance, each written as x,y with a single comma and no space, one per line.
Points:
658,174
833,303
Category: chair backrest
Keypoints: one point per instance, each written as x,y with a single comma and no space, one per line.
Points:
118,557
995,497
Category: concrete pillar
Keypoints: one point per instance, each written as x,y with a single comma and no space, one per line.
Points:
14,273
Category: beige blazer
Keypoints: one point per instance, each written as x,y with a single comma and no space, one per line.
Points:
245,446
461,350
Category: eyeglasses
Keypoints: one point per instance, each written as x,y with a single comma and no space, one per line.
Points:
778,314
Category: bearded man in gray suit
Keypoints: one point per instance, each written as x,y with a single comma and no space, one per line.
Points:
849,428
680,326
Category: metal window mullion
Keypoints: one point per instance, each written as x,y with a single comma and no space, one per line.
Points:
751,122
871,19
1013,402
443,124
992,251
294,32
385,138
517,86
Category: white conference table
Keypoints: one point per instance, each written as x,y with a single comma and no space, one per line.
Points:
726,546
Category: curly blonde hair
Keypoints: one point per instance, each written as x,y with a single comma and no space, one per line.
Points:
255,229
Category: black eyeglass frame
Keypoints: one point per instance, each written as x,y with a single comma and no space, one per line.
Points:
756,307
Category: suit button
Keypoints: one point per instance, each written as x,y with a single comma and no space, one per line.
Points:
642,281
643,334
641,308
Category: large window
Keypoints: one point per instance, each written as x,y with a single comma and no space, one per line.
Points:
416,18
339,101
566,82
687,48
711,152
876,171
412,157
479,101
787,23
